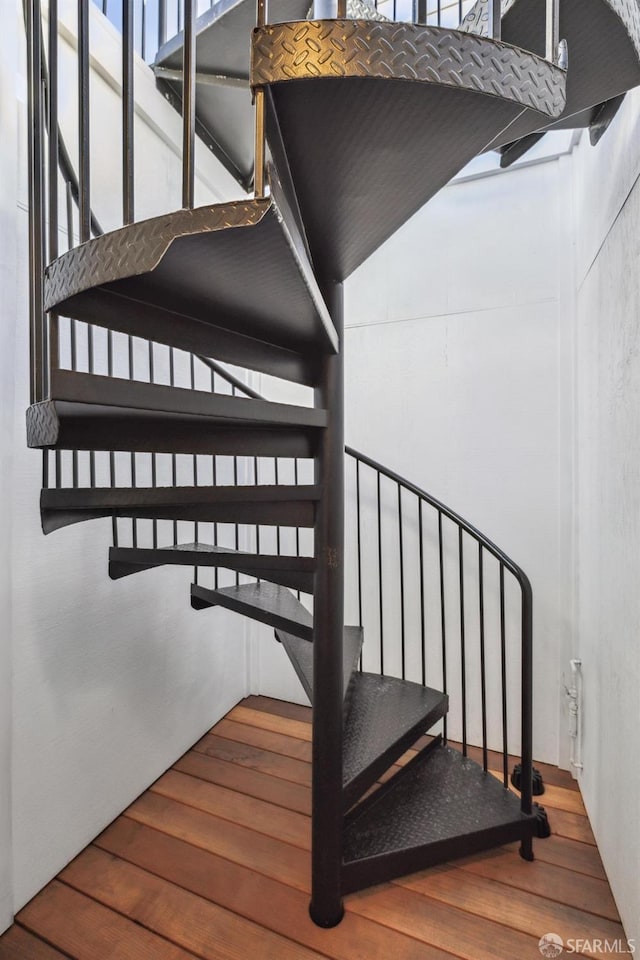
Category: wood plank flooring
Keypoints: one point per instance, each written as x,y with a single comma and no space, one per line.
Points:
213,862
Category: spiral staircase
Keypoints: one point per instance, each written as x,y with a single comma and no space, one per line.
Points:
358,123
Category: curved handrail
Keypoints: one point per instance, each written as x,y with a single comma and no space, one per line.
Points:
499,554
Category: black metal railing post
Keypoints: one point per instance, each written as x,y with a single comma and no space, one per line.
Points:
127,112
326,907
494,14
36,200
259,185
526,746
188,105
552,30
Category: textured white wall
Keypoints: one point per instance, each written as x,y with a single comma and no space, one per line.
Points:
111,680
608,497
8,182
454,345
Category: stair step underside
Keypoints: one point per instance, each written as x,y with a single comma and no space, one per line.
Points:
231,280
89,412
404,107
265,602
224,110
603,38
294,572
300,653
386,716
280,505
440,806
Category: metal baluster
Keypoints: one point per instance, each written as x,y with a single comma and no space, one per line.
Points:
463,651
36,234
162,23
422,603
127,113
188,106
143,30
196,528
380,602
401,552
483,675
262,15
552,30
134,522
235,483
73,327
494,15
53,130
214,480
255,480
84,140
174,459
443,618
277,481
295,480
112,456
359,547
503,673
154,456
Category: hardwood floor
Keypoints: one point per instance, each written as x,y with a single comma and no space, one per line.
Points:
213,862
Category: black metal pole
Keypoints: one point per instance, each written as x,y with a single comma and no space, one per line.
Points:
188,105
83,120
127,112
526,794
36,235
326,907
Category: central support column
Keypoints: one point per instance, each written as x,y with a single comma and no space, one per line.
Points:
327,814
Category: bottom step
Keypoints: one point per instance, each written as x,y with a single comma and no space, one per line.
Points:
440,806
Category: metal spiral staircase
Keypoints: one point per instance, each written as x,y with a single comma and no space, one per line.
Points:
358,123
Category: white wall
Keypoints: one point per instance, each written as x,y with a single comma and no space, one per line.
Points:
608,496
455,364
8,252
111,680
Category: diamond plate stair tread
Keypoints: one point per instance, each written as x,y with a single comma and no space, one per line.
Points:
191,265
132,415
300,652
440,806
385,716
226,113
266,602
603,38
296,572
264,504
404,107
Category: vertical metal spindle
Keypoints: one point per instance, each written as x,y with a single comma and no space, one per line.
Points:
277,481
154,456
526,793
127,112
420,11
295,480
359,545
401,552
196,528
143,30
503,674
134,522
483,674
188,106
162,23
91,368
236,526
443,618
380,602
174,459
36,234
112,456
255,480
84,137
422,604
262,16
215,526
552,30
53,130
439,24
463,650
73,331
494,16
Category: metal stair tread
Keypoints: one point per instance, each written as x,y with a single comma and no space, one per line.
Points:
386,715
404,106
300,653
265,602
265,504
231,280
151,416
294,571
441,798
603,38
